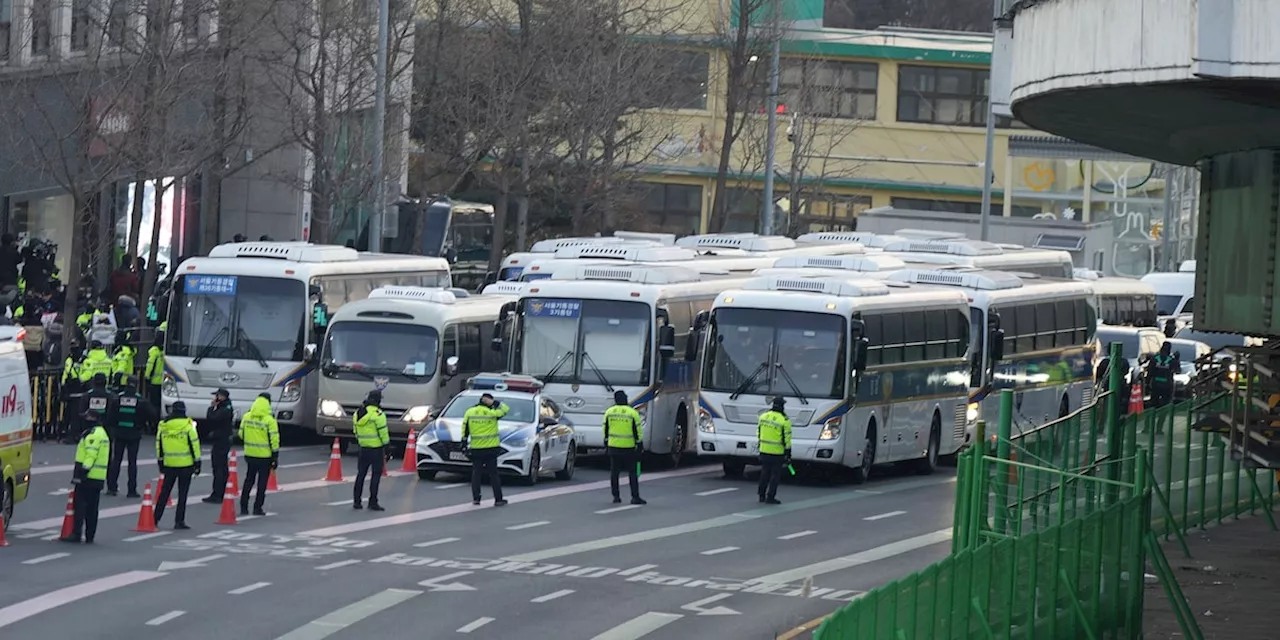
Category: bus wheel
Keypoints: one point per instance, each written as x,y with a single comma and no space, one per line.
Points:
863,472
6,503
677,448
733,468
926,465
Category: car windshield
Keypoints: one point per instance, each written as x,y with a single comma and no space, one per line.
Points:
1167,305
522,408
238,317
360,349
805,353
598,342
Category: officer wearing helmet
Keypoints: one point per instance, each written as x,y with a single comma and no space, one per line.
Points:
370,427
128,414
773,432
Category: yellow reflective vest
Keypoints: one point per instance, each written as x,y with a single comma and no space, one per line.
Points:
259,431
155,365
94,452
623,427
370,426
122,363
178,443
480,423
774,433
95,362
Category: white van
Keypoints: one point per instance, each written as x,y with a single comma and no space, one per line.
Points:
1175,292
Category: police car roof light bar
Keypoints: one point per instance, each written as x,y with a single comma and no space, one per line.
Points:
503,382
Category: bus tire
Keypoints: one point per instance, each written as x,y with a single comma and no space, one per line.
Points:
927,464
6,502
863,472
672,460
733,469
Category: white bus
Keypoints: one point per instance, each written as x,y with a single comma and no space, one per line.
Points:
514,264
1122,301
250,316
873,372
1034,337
931,254
416,345
597,328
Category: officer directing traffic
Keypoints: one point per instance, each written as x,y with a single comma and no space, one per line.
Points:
480,433
261,436
1160,370
128,414
178,452
623,431
218,423
92,458
773,432
370,426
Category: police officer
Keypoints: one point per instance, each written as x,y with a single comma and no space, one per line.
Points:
123,360
1160,370
72,390
92,458
480,433
155,370
95,362
370,426
128,414
97,400
773,432
261,437
219,422
178,452
623,430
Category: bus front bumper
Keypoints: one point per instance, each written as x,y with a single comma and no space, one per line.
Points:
743,448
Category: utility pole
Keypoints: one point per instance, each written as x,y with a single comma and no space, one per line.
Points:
380,129
1167,262
988,162
770,162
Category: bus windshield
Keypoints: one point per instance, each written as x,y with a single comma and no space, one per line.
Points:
238,317
605,342
361,350
803,353
1166,304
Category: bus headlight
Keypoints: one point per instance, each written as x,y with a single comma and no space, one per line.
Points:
705,424
292,392
971,415
831,431
169,388
331,409
418,414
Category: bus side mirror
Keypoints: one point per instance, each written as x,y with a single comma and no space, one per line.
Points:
701,320
495,343
505,311
667,342
996,342
691,346
860,354
309,352
451,366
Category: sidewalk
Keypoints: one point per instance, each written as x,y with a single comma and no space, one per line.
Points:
1231,581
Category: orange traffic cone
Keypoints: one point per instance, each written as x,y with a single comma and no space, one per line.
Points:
335,464
410,453
272,485
147,517
228,515
69,519
160,491
1135,400
233,473
3,542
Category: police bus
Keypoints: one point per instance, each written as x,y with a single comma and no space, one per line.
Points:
962,252
1122,301
598,328
416,345
1034,337
872,372
250,316
514,264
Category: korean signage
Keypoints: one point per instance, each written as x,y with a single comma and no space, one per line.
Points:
211,285
541,307
110,120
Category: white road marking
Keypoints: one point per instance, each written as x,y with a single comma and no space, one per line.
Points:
52,556
639,569
335,503
474,624
342,618
159,620
432,543
295,465
528,525
335,565
452,485
67,595
552,596
249,587
716,552
625,507
882,516
798,534
860,558
146,536
715,491
639,627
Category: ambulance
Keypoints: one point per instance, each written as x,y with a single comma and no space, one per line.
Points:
15,427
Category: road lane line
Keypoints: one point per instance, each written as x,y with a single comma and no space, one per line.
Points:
639,627
563,550
454,485
466,507
159,620
432,543
67,595
716,552
52,556
146,536
61,468
346,501
798,534
335,565
625,507
883,516
248,588
295,465
474,624
552,596
528,525
640,569
342,618
863,557
716,491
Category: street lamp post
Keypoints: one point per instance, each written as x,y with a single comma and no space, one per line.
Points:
380,128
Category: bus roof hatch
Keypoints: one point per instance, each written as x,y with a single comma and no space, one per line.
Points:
422,294
862,264
742,242
628,252
829,286
949,247
639,274
292,251
977,280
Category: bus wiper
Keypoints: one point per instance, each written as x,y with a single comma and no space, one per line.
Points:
346,368
792,383
252,348
746,384
208,346
556,367
586,357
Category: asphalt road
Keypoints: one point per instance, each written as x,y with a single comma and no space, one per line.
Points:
702,559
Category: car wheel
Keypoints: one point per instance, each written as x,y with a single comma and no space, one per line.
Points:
733,469
863,472
426,474
927,464
535,463
570,459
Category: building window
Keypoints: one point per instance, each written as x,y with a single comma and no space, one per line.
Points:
745,207
942,95
684,75
41,24
828,89
960,206
118,22
191,20
831,213
80,25
674,208
6,27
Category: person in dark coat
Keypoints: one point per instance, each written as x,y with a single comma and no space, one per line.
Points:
10,258
219,424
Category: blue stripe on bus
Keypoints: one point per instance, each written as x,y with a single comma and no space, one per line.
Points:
834,412
298,373
173,372
706,406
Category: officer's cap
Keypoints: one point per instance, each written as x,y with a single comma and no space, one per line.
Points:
779,402
265,396
620,397
179,409
486,395
129,381
99,379
95,345
374,397
222,391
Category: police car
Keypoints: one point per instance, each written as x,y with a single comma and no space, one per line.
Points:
536,438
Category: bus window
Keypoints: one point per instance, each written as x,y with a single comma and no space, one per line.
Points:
892,341
875,336
913,337
1026,325
1064,318
1046,326
935,330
